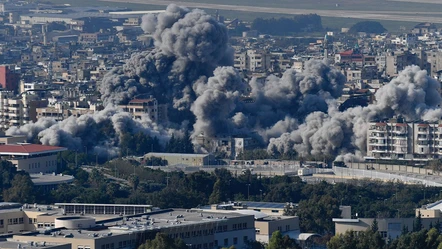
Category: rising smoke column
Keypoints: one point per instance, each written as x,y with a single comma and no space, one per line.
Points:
413,95
188,45
217,99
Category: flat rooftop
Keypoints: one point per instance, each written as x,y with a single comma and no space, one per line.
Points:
174,218
50,179
15,244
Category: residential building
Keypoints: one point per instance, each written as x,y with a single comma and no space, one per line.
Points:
350,57
17,111
253,60
142,107
8,78
397,139
32,158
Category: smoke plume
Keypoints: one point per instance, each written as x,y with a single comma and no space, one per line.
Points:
188,45
413,95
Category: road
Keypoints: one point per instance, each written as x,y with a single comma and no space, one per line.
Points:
119,180
372,15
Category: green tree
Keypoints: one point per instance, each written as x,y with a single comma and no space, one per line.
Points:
162,241
277,241
21,190
219,193
417,225
367,27
374,226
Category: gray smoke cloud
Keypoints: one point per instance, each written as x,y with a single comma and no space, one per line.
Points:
216,102
188,45
413,95
84,131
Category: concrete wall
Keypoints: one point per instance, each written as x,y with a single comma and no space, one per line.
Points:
392,168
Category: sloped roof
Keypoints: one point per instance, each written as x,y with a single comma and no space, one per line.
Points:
28,149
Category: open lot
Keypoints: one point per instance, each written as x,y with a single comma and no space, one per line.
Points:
336,14
397,14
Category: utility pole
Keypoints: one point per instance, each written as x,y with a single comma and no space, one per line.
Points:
167,181
248,191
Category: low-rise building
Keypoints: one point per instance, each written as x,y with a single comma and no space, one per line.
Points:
32,158
184,159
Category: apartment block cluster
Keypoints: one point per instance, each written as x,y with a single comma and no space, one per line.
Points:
101,226
401,140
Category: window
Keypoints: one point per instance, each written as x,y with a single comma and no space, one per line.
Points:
30,220
245,239
235,240
15,221
226,242
20,221
216,243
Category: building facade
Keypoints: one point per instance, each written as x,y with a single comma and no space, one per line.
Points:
32,158
8,78
397,139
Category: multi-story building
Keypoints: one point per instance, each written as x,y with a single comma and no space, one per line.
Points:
150,107
269,218
253,60
18,110
397,139
230,145
8,78
140,107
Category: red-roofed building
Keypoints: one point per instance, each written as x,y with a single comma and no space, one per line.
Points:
350,57
32,158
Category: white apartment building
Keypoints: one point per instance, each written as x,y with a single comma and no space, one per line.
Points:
397,139
17,111
253,60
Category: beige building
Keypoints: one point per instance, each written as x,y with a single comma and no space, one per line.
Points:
184,159
18,110
32,158
150,107
388,227
198,228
